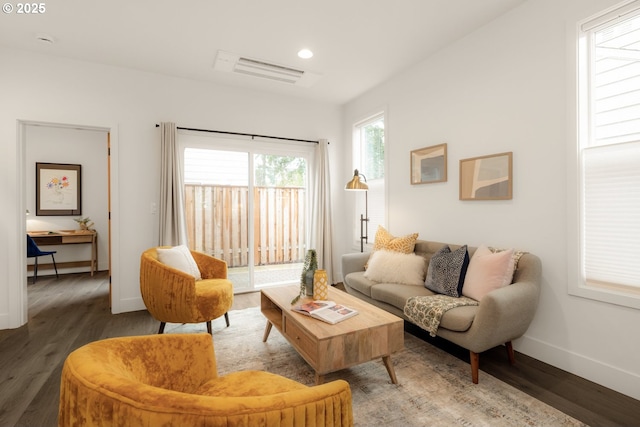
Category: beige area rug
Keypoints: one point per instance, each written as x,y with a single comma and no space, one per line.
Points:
434,387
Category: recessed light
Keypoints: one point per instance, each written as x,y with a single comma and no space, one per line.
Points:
305,54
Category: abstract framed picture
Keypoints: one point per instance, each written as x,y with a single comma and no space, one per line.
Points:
58,189
487,177
429,164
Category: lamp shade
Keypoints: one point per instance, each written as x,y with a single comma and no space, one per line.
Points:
355,184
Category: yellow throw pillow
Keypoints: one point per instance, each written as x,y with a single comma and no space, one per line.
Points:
385,240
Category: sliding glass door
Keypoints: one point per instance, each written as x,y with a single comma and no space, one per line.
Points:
248,205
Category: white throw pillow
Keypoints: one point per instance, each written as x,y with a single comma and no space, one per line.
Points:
395,267
487,271
180,258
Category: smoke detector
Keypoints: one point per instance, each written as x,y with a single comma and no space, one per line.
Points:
233,63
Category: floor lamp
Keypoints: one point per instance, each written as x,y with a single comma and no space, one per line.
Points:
356,185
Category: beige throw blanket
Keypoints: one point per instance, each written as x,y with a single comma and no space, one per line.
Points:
427,311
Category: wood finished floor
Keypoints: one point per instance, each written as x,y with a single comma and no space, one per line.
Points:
67,313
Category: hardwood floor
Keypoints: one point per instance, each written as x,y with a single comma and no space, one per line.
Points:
67,313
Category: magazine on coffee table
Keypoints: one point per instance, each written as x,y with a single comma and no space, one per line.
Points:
327,311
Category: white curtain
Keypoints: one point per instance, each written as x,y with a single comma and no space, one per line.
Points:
173,226
320,227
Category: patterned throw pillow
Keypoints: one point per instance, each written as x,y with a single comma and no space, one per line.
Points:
385,240
447,270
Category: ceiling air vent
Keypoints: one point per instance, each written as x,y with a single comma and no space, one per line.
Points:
230,62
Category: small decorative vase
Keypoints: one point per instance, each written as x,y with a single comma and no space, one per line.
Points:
306,278
308,283
320,285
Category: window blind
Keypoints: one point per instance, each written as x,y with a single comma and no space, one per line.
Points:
611,153
612,215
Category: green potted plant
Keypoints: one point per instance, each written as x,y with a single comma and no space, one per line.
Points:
84,222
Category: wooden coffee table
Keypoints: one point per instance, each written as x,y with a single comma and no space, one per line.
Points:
373,333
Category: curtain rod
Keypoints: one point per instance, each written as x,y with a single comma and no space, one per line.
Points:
245,134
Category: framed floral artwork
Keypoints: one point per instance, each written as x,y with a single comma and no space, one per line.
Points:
58,189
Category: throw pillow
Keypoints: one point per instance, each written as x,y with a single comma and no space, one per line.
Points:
395,267
447,271
180,258
516,256
385,240
488,271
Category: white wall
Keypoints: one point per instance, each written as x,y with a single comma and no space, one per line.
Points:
42,88
88,148
507,87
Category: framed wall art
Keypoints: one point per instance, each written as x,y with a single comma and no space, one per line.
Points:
58,189
487,177
429,164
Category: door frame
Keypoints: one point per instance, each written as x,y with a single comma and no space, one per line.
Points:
251,147
20,298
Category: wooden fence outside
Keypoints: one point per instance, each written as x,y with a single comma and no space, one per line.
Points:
218,223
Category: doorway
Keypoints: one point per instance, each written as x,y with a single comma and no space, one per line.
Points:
87,147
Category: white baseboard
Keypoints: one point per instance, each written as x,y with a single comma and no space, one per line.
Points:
128,304
617,379
5,322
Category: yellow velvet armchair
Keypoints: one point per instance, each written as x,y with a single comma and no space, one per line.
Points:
172,380
174,296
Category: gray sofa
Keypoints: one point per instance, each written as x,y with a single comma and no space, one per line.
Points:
502,315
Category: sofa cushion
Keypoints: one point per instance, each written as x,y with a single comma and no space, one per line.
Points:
488,271
395,267
248,383
397,294
385,240
357,281
459,319
447,270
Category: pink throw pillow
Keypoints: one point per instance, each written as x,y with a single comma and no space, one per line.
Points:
487,271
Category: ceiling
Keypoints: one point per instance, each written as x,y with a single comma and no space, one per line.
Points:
357,44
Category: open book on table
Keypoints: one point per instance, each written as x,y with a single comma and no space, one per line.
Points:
327,311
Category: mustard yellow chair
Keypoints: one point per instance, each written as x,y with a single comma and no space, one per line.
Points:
173,296
172,380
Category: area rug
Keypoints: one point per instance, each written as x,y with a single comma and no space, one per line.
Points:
434,389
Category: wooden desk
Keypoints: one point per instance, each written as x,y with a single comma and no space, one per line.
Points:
67,237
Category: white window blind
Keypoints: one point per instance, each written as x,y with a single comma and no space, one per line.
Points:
612,215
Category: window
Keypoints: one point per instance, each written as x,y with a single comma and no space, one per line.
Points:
246,203
609,156
368,158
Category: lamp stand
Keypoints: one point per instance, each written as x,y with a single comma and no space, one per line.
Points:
364,223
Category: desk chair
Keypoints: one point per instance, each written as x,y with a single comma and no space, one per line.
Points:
33,251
